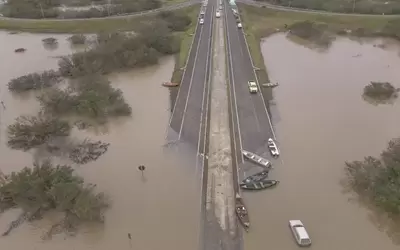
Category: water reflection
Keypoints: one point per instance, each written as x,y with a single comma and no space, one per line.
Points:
323,123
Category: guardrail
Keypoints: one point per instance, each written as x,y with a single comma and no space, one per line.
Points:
125,15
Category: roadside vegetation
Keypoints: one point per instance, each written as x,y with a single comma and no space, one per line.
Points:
355,6
310,29
77,39
380,92
46,187
377,180
53,8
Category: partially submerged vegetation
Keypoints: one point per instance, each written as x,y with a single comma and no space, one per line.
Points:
47,187
34,81
380,92
378,180
357,6
77,39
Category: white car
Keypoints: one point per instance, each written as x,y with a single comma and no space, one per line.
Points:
201,21
252,86
273,148
239,25
218,14
299,233
202,13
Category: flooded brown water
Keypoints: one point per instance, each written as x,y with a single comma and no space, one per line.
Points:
322,121
160,211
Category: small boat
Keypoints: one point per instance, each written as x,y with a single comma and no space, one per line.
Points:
270,85
256,159
256,177
170,84
273,148
259,185
19,50
241,212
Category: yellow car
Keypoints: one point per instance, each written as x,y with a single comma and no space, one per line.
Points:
252,86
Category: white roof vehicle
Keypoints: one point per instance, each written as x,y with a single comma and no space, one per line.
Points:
300,233
202,12
217,14
272,147
252,86
201,21
239,25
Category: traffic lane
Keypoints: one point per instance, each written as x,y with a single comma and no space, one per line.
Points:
248,121
192,115
253,118
180,102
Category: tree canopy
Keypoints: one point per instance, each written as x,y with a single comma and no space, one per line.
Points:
378,180
46,187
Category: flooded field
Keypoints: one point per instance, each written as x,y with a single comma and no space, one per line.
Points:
322,121
159,210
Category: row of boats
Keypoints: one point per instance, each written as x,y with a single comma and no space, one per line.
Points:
256,181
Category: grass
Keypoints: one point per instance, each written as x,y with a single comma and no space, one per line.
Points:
186,39
172,2
120,23
262,22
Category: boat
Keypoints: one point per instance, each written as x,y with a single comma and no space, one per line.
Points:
241,212
256,177
259,185
170,84
256,159
273,148
19,50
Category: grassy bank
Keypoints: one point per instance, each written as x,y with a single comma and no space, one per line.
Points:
186,39
345,6
81,26
262,22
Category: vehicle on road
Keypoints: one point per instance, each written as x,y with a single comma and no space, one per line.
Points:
252,86
259,185
256,159
220,6
234,11
256,177
202,13
201,21
218,14
300,233
273,148
239,25
241,212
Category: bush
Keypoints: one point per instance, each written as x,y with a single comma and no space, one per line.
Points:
381,91
32,131
45,187
77,39
91,96
176,21
34,81
378,180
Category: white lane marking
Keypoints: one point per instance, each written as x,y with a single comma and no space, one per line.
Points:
233,86
258,85
184,73
190,84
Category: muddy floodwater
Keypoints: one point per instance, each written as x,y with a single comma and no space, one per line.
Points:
159,210
321,121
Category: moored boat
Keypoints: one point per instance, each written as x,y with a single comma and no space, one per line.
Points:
256,159
256,177
170,84
273,148
241,212
259,185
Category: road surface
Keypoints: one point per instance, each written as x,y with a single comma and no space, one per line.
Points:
251,125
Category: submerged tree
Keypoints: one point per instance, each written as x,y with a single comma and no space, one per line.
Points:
48,187
32,131
34,81
90,96
378,180
380,92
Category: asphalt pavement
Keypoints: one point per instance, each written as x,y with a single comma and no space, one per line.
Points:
190,110
251,125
